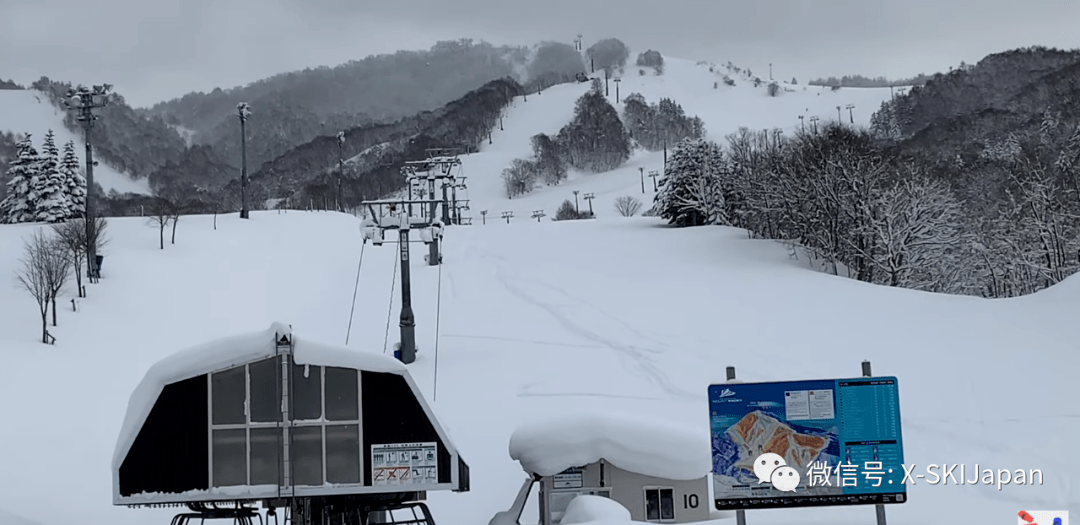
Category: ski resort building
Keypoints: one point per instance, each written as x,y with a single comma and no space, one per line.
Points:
658,474
272,418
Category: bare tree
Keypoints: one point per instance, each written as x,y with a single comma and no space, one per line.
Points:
161,216
627,206
72,235
45,266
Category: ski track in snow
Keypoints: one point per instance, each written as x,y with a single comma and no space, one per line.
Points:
632,357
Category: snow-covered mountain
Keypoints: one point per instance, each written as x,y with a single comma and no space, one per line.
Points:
530,319
29,111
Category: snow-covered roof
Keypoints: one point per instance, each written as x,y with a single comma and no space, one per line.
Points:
231,351
648,447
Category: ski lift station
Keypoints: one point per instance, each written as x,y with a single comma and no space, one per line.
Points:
324,433
660,475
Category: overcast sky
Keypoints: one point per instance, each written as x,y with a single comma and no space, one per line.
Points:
154,50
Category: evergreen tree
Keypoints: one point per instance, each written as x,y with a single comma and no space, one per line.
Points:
595,140
50,189
20,205
690,190
74,182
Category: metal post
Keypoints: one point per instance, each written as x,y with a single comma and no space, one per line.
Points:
589,197
577,208
617,80
408,321
341,166
483,217
84,101
879,508
91,242
453,198
433,248
839,117
642,170
446,204
740,515
242,108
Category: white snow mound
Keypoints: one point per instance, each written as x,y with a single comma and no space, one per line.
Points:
594,509
230,351
647,447
11,519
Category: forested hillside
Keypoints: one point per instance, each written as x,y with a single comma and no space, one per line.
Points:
293,108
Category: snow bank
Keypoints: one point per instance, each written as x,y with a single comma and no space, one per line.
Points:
231,351
648,447
594,509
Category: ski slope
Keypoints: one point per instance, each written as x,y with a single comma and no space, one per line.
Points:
530,320
29,111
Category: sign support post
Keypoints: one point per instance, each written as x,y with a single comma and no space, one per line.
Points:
879,507
740,515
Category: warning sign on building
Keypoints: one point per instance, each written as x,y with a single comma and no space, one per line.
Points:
404,464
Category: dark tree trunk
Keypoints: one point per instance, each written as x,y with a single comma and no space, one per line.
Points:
174,221
161,235
54,311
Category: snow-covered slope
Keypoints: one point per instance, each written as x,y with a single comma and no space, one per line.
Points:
536,319
724,109
29,111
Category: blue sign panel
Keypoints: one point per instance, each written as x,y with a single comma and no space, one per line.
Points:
806,443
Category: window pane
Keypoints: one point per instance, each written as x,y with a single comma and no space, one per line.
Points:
230,457
265,383
307,392
652,504
227,390
306,453
342,403
265,458
667,504
342,450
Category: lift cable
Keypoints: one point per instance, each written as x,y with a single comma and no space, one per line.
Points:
390,307
438,309
356,287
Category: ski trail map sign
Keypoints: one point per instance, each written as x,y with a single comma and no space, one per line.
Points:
806,443
404,464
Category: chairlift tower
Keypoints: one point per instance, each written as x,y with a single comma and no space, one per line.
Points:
396,215
442,169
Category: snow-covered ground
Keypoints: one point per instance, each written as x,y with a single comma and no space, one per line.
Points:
537,319
29,111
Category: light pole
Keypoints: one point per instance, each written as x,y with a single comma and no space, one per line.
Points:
83,101
617,80
642,170
654,174
576,207
243,111
851,113
589,197
341,165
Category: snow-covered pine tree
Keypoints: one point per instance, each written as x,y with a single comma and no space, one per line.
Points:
21,203
690,190
50,188
74,182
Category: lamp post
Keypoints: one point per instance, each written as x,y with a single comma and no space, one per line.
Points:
341,165
84,101
851,113
576,207
243,111
589,197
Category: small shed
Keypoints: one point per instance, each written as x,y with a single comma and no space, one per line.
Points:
659,472
269,416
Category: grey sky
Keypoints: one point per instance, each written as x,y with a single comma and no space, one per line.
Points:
160,49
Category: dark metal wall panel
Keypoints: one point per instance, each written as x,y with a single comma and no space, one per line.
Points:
170,452
392,414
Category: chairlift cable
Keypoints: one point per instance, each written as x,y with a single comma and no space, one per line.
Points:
438,309
356,287
390,306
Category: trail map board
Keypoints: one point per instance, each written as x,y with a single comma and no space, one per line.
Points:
842,436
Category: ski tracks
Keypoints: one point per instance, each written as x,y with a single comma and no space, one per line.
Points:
634,358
